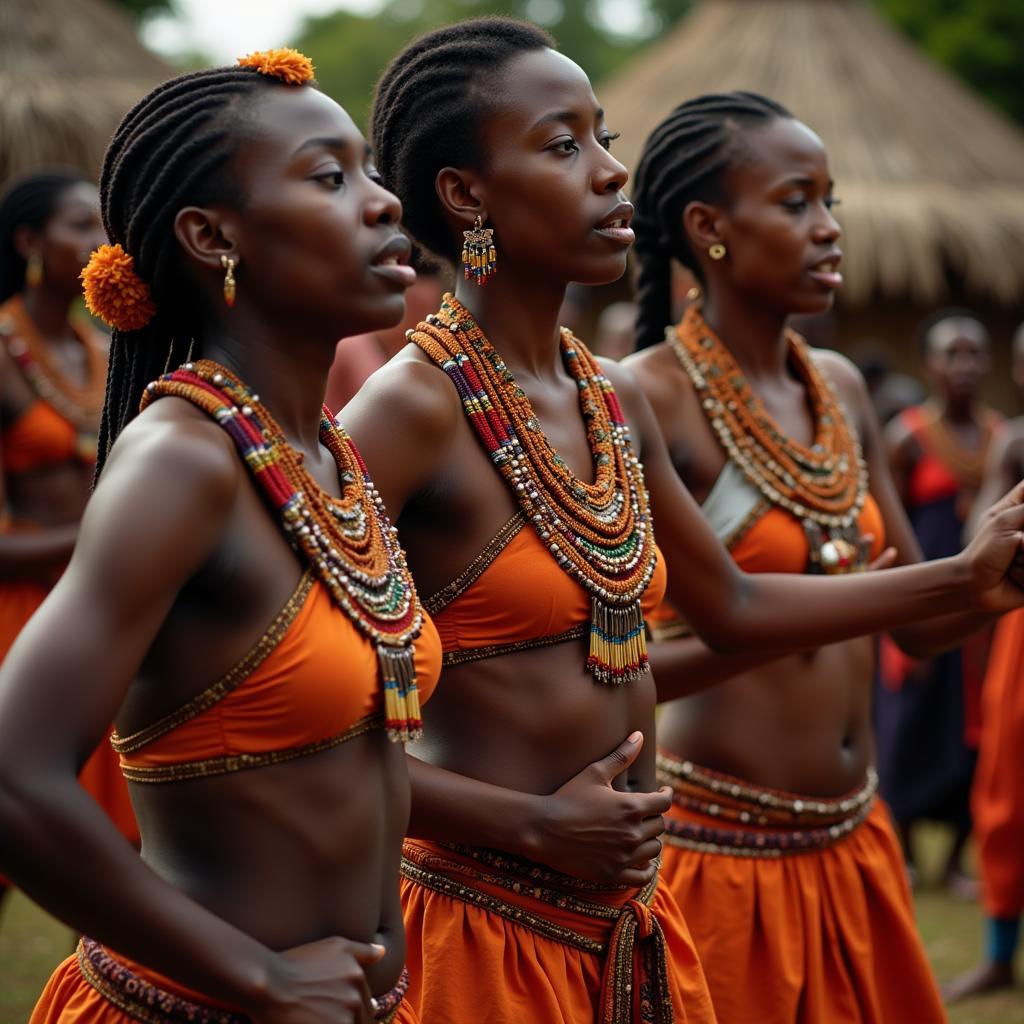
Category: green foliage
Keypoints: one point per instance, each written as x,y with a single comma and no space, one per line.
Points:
138,8
980,40
351,50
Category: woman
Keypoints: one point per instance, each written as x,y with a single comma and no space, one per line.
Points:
52,369
483,127
236,600
781,857
928,714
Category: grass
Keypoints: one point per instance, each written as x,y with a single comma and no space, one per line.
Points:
31,944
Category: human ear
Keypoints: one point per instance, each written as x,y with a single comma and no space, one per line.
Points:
206,234
702,225
459,195
26,241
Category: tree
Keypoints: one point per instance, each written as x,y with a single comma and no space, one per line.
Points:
980,40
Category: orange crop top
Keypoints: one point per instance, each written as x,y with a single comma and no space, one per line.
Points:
760,538
40,436
311,682
514,596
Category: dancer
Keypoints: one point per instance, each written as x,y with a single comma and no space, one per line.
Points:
997,796
236,598
779,853
530,887
52,370
928,713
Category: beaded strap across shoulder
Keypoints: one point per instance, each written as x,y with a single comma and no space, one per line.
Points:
348,544
600,533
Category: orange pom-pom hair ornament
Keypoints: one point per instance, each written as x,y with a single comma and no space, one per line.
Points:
286,64
114,292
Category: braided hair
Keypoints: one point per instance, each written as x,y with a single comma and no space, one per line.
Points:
684,160
29,202
171,150
428,107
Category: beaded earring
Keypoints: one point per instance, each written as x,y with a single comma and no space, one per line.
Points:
229,280
34,270
479,256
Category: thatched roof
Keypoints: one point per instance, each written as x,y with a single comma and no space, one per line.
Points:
931,179
69,70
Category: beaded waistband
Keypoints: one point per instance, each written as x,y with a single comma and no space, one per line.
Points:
765,822
467,654
143,1001
635,982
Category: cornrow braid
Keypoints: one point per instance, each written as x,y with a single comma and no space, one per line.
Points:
171,150
30,201
684,160
427,109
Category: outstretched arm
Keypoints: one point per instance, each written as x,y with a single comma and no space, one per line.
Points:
779,614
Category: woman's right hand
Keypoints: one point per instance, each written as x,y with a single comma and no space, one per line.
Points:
322,982
590,830
993,557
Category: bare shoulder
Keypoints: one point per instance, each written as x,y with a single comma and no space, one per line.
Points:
843,373
409,396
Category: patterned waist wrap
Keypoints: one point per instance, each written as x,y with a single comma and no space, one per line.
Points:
607,921
129,988
727,815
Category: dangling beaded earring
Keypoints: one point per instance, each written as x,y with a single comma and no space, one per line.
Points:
229,279
479,257
34,270
717,251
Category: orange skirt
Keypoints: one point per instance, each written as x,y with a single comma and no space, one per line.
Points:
997,797
94,987
497,939
816,935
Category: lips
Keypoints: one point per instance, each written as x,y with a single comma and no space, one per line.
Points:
615,225
826,270
392,261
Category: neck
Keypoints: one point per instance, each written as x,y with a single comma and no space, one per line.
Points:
960,411
286,370
520,318
754,336
48,310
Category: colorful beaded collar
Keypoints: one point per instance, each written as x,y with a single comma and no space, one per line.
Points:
348,542
600,533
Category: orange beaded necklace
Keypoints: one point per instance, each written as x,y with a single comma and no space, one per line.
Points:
600,533
824,485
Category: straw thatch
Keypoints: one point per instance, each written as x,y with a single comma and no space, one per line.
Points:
931,179
69,70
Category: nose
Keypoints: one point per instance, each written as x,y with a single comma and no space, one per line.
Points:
611,174
383,207
826,228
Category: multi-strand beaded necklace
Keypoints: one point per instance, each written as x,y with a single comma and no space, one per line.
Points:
348,542
824,485
80,405
599,533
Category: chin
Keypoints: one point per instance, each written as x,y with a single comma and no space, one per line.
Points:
607,272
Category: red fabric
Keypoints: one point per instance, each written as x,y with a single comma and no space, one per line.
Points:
997,797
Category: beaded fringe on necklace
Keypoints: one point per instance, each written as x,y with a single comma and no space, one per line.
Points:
348,543
599,533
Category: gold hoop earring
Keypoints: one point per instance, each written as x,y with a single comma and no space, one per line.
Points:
717,251
479,256
229,280
34,270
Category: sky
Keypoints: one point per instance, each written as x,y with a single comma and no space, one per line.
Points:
224,29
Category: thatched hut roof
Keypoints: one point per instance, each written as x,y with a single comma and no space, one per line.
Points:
932,179
69,70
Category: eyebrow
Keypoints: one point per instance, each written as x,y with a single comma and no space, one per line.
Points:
559,116
322,142
804,180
